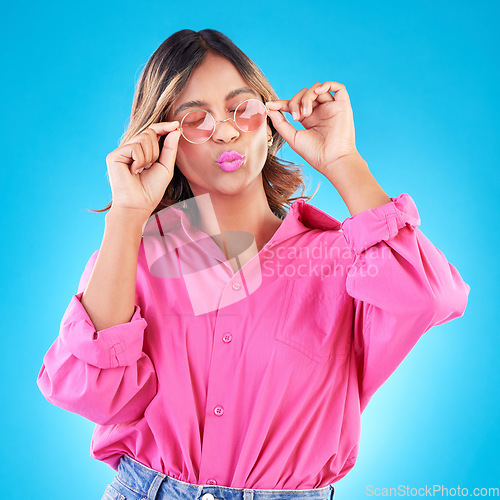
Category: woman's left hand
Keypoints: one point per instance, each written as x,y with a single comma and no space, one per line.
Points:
328,123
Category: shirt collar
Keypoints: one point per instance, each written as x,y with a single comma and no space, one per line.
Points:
300,218
310,217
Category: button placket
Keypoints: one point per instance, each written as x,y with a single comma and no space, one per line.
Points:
220,372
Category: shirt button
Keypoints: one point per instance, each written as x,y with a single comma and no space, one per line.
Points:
236,286
211,481
207,496
218,410
227,337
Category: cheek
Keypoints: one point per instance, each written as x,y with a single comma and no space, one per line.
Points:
189,157
261,148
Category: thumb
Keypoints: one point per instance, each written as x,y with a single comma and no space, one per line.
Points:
169,149
283,126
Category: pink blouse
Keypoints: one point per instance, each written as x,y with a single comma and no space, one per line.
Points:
254,379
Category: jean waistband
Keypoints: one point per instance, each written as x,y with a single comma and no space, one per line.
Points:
154,485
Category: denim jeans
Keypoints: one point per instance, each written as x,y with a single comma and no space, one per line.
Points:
135,481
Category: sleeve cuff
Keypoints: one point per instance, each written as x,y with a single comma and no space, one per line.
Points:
119,345
373,225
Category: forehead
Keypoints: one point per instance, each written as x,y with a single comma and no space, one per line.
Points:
212,79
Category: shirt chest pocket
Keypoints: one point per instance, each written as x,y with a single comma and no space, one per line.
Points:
315,322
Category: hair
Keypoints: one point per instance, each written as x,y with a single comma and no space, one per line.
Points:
162,80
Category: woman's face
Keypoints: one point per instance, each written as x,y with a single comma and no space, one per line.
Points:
211,82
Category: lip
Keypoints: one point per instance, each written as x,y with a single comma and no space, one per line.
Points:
231,166
229,156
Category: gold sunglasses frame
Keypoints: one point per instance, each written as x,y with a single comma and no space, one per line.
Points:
219,121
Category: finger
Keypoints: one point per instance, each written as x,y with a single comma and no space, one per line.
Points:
295,104
323,95
306,103
338,88
154,142
163,128
160,128
153,146
279,105
130,154
147,147
154,131
135,151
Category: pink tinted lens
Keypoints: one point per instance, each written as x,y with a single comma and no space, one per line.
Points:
250,115
197,126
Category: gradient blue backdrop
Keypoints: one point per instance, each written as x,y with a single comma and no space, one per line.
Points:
422,79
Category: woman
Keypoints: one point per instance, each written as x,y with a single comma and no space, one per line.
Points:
225,347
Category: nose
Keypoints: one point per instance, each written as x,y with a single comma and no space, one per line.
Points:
227,132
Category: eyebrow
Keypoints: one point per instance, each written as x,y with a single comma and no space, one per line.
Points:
233,93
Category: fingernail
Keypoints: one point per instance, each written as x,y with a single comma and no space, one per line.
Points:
148,165
295,115
140,170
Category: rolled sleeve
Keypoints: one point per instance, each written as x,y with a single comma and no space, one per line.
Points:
119,345
383,223
402,286
102,375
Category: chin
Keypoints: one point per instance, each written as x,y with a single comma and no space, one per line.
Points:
234,183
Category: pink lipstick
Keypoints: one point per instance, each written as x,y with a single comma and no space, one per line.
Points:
230,161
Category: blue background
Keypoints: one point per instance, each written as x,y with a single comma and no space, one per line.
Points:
422,79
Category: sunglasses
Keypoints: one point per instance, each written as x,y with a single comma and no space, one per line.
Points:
198,125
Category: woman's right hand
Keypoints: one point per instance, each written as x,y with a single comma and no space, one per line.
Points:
138,173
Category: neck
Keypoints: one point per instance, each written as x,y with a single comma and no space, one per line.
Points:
246,212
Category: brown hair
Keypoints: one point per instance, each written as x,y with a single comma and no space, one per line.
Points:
165,75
